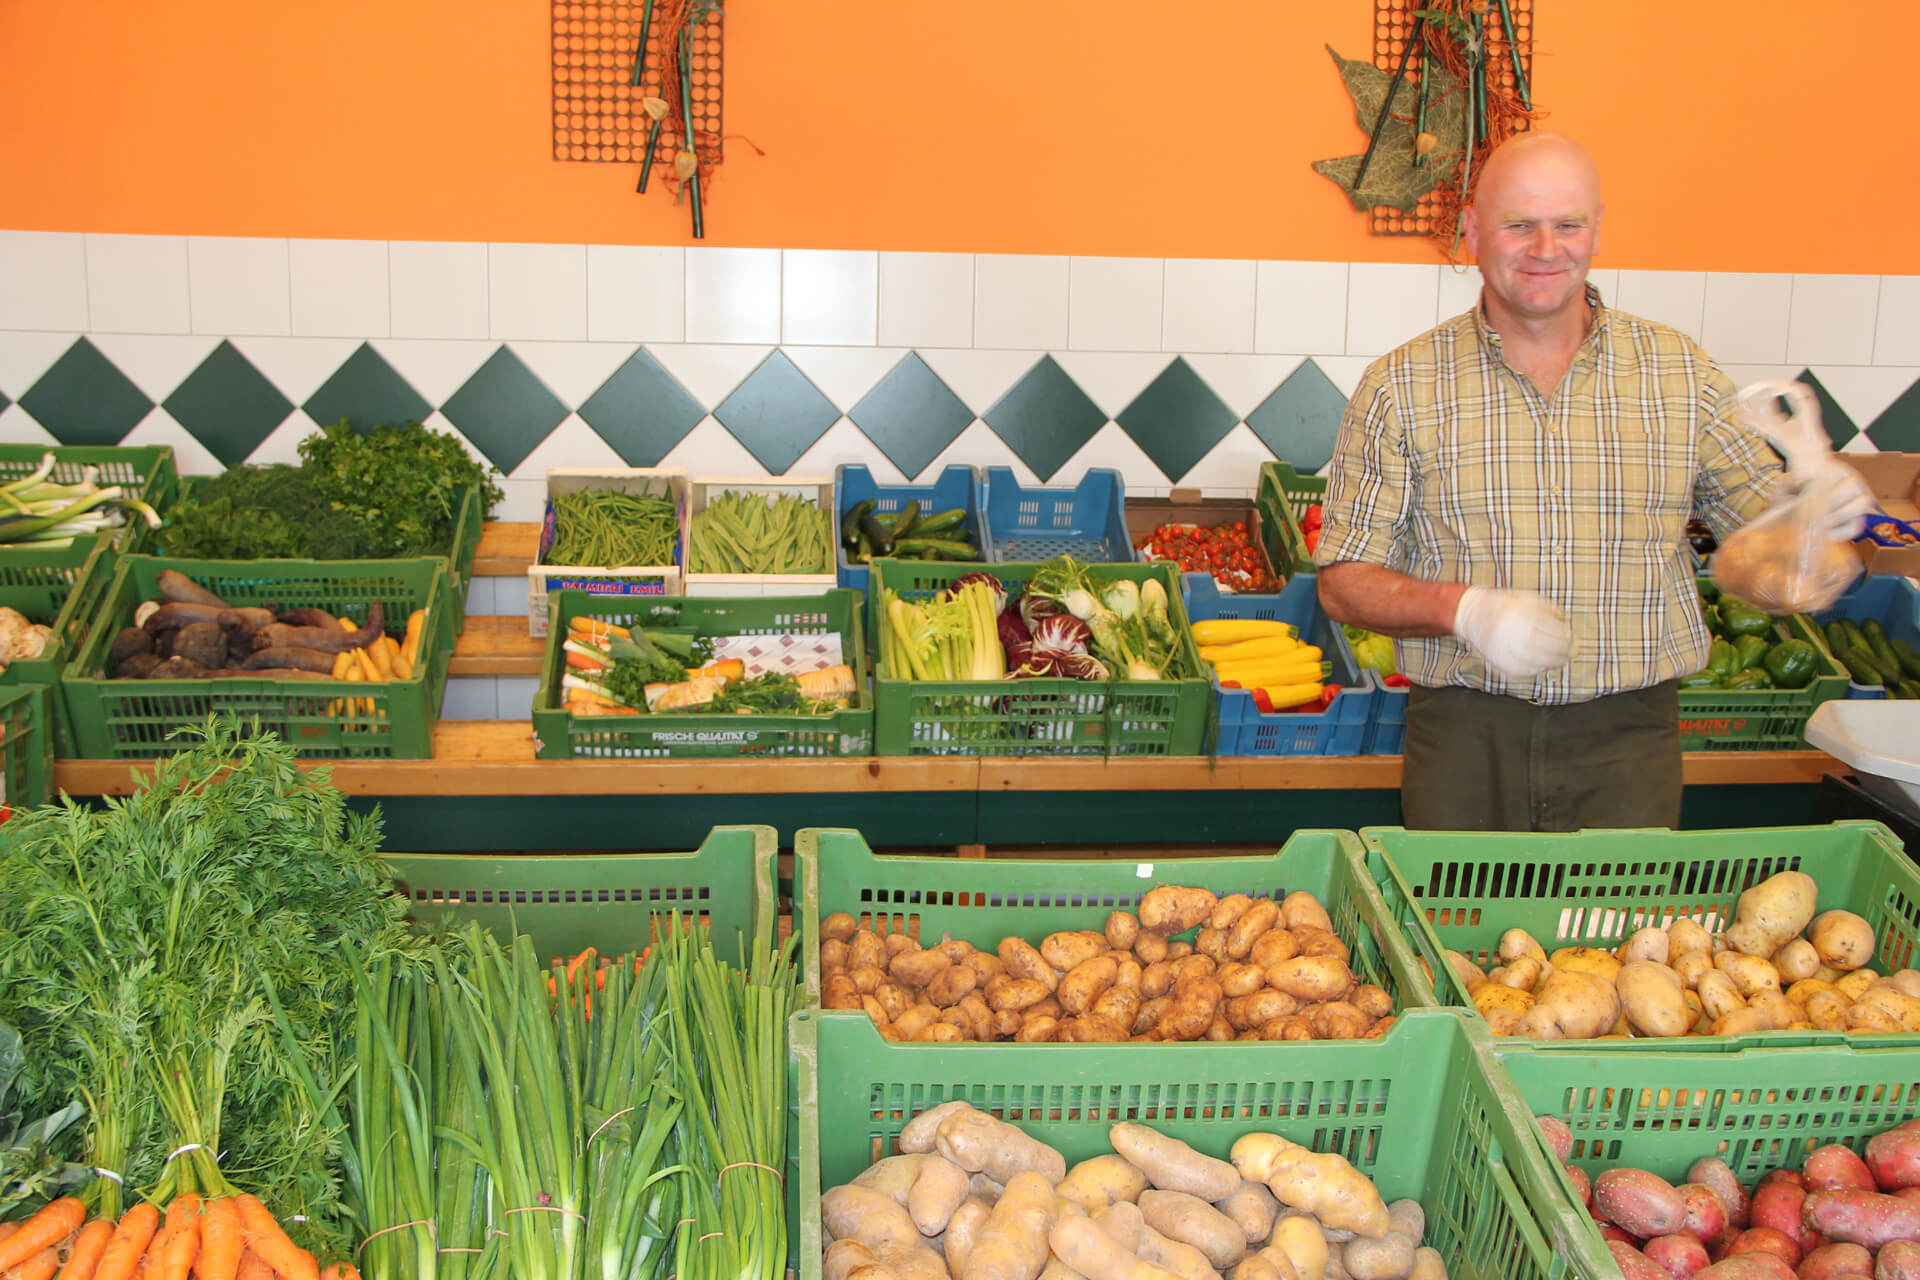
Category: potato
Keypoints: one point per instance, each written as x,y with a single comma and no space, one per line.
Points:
1228,910
1595,960
1127,971
866,977
894,1176
1195,1002
1321,942
1371,1000
1220,1031
1122,1221
1177,1256
1836,1262
1843,940
1253,1209
1271,947
1852,984
1092,1029
833,955
984,963
1893,1158
1041,1030
1883,995
1237,978
1212,943
838,992
1311,978
1645,944
872,1219
1388,1257
1684,936
1408,1218
1865,1218
1004,1024
1489,995
1122,928
1172,1165
1253,924
1324,1185
1012,1244
1066,951
962,1228
1256,1267
1084,1246
1750,974
979,1143
1428,1265
1170,909
1292,1027
838,927
1638,1202
1898,1261
1907,981
1158,978
1191,1220
1118,1005
938,1033
1515,943
921,1131
1149,948
1337,1020
1741,1022
952,985
1301,909
894,943
1380,1028
1150,1013
1780,1011
1178,949
1833,1167
1264,1006
1653,999
1523,974
1707,1218
843,1258
1772,912
1024,961
1194,966
1085,982
1571,1005
1777,1206
1466,970
1719,996
1301,1242
1101,1181
916,1019
1692,966
1795,961
1005,992
940,1188
1678,1255
1714,1174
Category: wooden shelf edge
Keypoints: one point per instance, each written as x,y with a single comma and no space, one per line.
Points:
507,549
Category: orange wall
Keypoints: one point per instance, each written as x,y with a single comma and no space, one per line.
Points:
1109,127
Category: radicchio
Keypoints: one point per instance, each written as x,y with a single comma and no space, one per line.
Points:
985,579
1013,631
1034,663
1062,632
1033,608
1082,666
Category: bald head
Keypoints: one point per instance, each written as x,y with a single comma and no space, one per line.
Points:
1530,161
1535,225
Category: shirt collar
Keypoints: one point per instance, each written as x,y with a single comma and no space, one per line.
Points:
1589,346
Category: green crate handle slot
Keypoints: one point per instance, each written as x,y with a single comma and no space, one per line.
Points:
26,745
65,587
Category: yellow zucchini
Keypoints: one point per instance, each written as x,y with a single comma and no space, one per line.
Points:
1232,630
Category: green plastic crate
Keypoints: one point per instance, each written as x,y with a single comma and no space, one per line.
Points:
469,520
1034,717
26,746
1661,1111
1461,891
1420,1112
46,586
559,735
614,902
985,901
1761,719
147,471
334,719
1282,495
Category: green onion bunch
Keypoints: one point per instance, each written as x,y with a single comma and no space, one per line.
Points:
36,511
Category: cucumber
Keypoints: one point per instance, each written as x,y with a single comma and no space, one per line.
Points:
1909,657
903,526
1862,668
1911,688
1836,637
850,523
877,534
1883,655
940,522
944,548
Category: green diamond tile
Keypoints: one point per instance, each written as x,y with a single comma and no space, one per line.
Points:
85,399
1177,419
228,405
642,411
1897,429
505,410
776,413
1045,417
1301,418
1839,424
367,393
4,402
911,415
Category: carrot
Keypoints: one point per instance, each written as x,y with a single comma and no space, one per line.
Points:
402,669
183,1238
264,1237
43,1230
251,1268
40,1266
410,647
220,1244
129,1243
87,1248
341,1271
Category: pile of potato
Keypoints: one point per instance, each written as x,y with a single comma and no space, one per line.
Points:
1837,1216
972,1197
1760,975
1256,969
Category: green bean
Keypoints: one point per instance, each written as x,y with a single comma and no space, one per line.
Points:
603,529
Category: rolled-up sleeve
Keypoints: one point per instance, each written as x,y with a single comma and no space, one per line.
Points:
1365,509
1738,471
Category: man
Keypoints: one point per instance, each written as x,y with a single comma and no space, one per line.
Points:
1509,497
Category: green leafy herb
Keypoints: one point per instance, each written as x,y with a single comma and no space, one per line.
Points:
33,1164
772,693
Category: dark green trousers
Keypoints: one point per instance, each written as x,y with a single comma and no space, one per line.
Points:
1484,762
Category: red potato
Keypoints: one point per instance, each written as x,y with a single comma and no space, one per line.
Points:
1747,1266
1862,1217
1611,1233
1582,1185
1776,1205
1793,1176
1714,1173
1635,1265
1908,1193
1680,1256
1559,1136
1640,1203
1832,1261
1766,1240
1894,1159
1707,1217
1898,1261
1835,1168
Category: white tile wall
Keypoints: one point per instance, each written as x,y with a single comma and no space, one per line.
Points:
572,370
1745,317
340,288
845,374
733,295
537,291
1896,332
1388,303
1208,305
1676,298
1019,301
43,280
154,362
1300,307
437,289
829,297
137,284
1114,304
1833,319
1460,290
926,299
238,285
636,293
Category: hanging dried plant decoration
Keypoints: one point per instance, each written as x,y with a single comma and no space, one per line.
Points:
673,110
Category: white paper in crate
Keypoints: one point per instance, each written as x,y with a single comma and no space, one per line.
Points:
787,654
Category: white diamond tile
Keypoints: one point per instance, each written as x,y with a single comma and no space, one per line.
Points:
1115,304
435,369
1833,319
926,299
1860,444
573,370
238,284
571,444
190,457
1113,379
978,446
283,446
733,295
1207,305
340,288
1244,382
1389,303
1019,301
829,297
1344,372
1865,391
156,363
1745,317
1674,298
437,421
25,355
523,501
537,291
18,427
137,284
438,289
1896,333
709,372
1300,307
845,443
1232,467
979,377
636,293
711,450
1112,447
298,366
845,374
43,280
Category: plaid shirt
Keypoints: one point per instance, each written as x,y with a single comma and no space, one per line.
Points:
1453,467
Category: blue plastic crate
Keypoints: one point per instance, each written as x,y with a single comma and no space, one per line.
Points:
1387,735
1894,600
958,486
1245,730
1088,521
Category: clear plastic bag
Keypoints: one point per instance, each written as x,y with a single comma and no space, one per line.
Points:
1786,560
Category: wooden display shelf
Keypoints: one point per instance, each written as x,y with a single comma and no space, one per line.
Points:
495,758
495,645
506,549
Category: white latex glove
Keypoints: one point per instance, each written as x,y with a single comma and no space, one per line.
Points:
1848,503
1519,633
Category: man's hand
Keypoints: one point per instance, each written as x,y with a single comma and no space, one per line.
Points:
1849,501
1519,633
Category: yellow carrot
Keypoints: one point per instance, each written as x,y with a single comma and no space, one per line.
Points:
416,628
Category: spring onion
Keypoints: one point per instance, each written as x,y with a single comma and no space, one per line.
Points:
38,511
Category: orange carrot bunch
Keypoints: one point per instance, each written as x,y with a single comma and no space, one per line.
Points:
225,1238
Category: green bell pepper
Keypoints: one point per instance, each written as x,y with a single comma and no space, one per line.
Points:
1720,659
1791,663
1742,619
1749,680
1701,680
1709,589
1710,615
1748,651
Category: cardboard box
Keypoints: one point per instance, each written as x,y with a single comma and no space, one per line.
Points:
628,580
1895,480
1186,506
